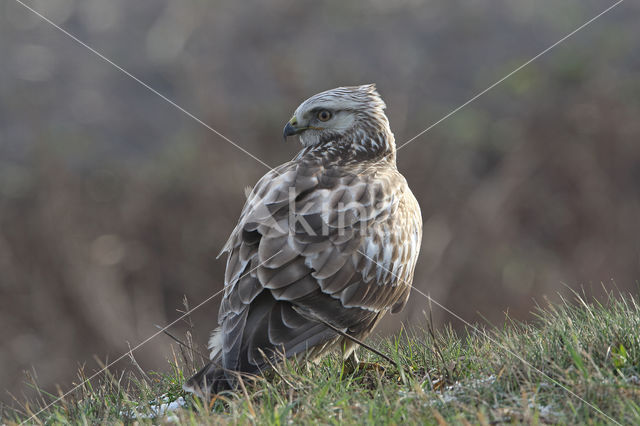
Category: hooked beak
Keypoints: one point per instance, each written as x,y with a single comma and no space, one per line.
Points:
291,128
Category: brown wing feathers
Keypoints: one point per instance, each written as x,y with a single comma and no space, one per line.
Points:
324,265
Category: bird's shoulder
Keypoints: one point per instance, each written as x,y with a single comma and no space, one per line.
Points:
307,184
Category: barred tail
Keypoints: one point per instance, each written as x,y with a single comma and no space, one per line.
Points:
210,380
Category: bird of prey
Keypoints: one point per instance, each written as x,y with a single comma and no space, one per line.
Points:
325,242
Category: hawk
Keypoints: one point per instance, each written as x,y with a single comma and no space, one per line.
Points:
327,241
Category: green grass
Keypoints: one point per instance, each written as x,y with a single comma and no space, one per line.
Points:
576,354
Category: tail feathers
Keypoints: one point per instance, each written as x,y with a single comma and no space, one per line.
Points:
210,380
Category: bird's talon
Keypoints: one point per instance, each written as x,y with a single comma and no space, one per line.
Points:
371,366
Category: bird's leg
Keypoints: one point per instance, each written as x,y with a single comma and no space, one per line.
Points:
352,365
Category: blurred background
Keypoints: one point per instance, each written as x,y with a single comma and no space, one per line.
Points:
114,204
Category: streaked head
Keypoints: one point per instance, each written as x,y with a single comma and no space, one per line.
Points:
334,113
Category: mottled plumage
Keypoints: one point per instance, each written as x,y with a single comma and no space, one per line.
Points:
332,235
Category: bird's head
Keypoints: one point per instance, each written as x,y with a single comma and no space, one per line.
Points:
336,113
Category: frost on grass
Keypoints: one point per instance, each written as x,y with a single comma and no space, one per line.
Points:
162,406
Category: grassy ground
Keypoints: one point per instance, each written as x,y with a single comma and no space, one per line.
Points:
577,363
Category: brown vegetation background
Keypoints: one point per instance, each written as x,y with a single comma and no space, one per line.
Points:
114,205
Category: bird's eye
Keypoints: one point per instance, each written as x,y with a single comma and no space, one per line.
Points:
324,115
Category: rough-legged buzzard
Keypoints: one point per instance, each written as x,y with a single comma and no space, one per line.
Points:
329,237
